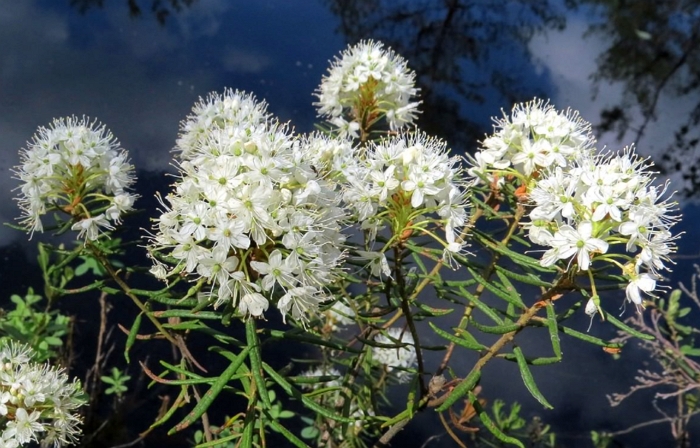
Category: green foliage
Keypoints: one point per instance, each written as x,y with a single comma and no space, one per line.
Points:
117,382
41,329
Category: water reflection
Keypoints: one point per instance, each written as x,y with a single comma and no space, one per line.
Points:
161,9
654,52
471,59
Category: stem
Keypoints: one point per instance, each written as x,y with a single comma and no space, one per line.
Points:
488,271
406,307
127,290
562,284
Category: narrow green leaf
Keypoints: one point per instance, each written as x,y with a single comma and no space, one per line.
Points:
490,425
588,338
517,257
285,432
256,362
176,405
532,361
626,328
187,314
529,278
466,386
433,312
509,287
495,329
218,442
509,296
466,340
553,330
293,392
528,379
131,338
313,339
689,350
212,393
248,427
481,305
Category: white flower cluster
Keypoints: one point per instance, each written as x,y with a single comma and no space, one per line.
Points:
321,372
601,201
401,180
251,214
536,136
234,111
78,167
339,314
38,403
367,78
401,355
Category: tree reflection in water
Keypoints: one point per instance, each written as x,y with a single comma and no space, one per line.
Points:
653,52
466,54
161,9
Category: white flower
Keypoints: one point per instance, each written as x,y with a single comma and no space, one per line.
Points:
569,241
255,210
368,74
339,314
400,353
321,372
642,282
378,264
535,137
39,402
75,167
90,227
408,175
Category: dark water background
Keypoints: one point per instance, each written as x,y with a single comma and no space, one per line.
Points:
631,68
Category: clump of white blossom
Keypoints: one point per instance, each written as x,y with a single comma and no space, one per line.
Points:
77,167
535,136
602,201
38,402
366,83
235,111
319,372
399,182
251,215
396,352
582,203
339,314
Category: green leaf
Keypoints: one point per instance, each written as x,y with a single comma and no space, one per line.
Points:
256,362
529,278
293,392
553,329
465,339
490,425
528,379
627,329
481,305
511,296
517,257
689,350
212,393
495,329
466,386
54,341
310,432
131,338
285,432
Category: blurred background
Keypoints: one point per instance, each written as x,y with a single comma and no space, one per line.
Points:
632,68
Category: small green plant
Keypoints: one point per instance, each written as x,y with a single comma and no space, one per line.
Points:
227,434
40,329
117,382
